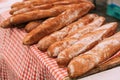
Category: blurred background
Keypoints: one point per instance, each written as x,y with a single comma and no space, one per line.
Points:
110,9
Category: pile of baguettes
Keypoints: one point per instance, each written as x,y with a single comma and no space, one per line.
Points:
80,41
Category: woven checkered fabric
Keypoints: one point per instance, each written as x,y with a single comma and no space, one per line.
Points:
6,72
28,63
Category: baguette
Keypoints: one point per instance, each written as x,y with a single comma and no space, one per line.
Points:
15,11
6,23
37,14
57,23
32,25
108,64
24,4
45,42
101,52
31,3
59,46
85,43
112,62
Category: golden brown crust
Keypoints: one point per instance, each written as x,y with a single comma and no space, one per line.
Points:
87,61
17,4
37,14
85,43
15,11
6,23
57,23
18,10
31,3
32,25
59,46
59,35
108,64
20,5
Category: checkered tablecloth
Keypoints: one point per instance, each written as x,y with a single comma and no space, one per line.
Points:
25,62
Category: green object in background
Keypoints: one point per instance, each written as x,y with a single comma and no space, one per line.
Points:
113,10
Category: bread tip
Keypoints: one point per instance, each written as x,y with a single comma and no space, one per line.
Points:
6,24
59,62
48,53
92,5
92,15
26,41
40,48
62,62
1,25
113,23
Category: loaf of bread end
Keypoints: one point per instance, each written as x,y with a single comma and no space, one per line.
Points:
32,25
112,62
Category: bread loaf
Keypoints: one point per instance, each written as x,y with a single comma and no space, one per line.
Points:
108,64
38,14
20,5
57,23
101,52
32,25
34,15
85,43
45,42
15,11
59,46
31,3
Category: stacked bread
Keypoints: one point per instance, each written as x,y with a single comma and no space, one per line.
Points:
77,39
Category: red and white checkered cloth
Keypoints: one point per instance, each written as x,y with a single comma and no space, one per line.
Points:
28,63
6,72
